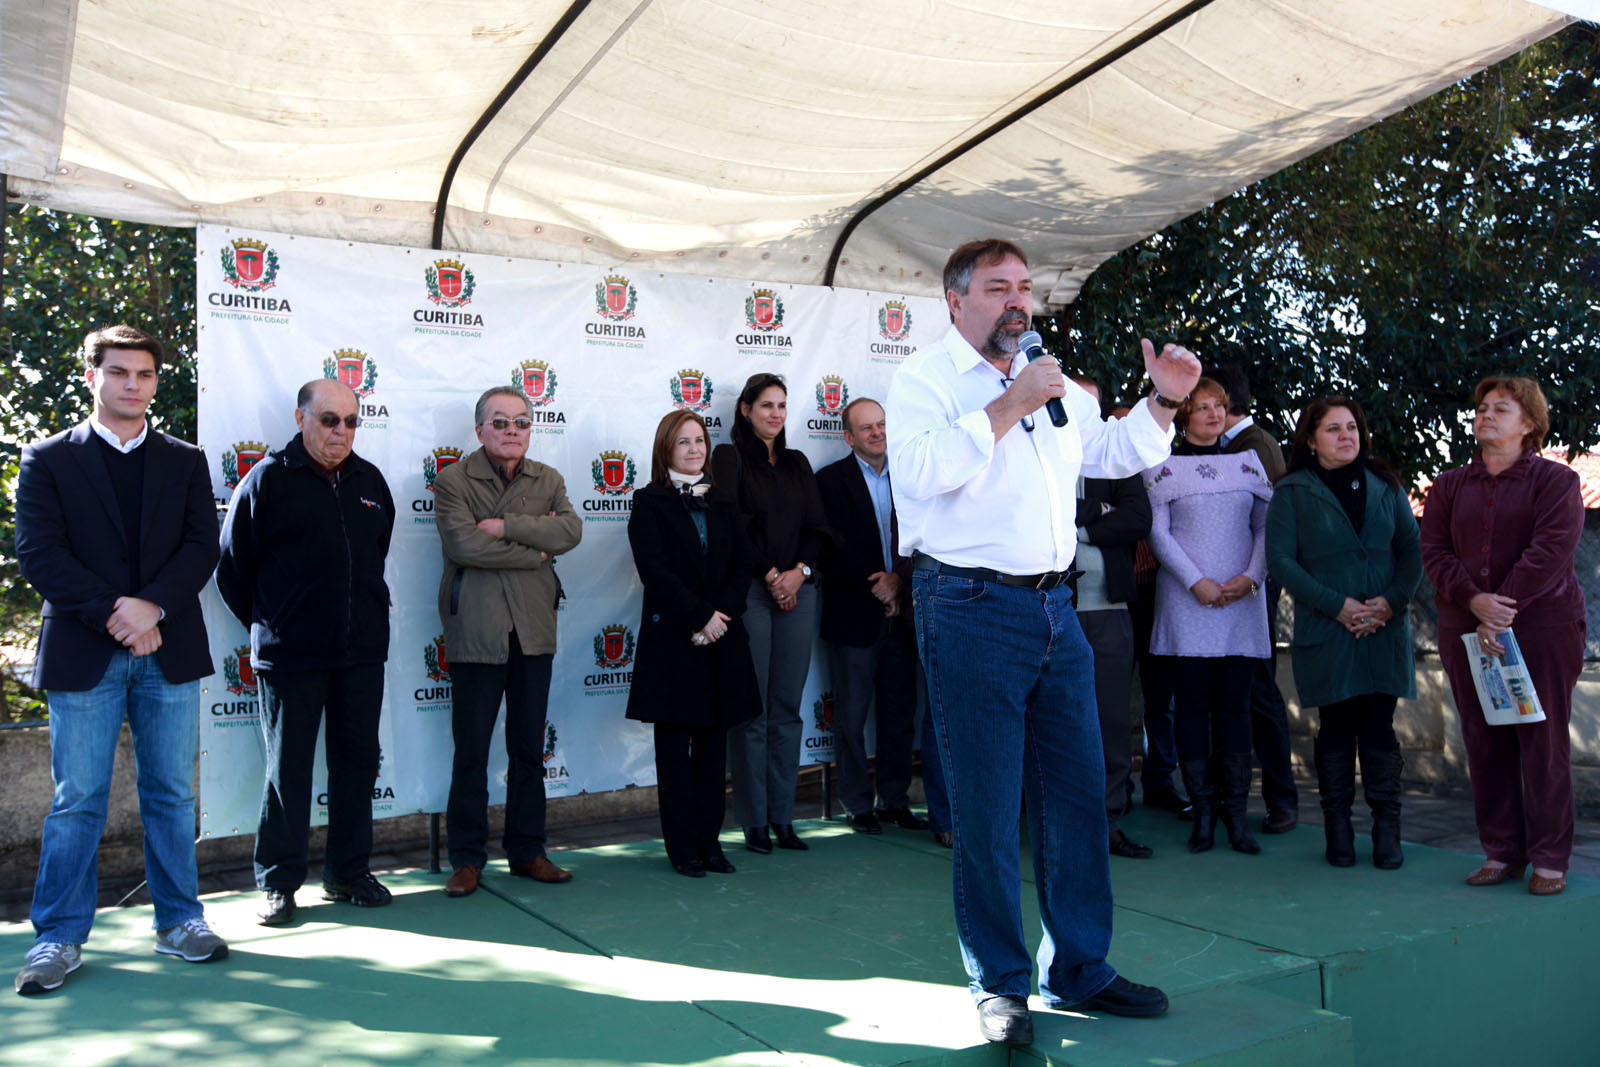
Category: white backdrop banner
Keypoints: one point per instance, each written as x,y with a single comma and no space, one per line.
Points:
601,355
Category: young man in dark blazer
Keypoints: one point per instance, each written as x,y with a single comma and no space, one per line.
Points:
117,532
866,620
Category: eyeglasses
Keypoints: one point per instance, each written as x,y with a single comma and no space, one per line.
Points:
330,420
501,423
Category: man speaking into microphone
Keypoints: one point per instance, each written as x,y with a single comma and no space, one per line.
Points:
988,507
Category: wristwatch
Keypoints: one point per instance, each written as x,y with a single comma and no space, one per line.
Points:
1169,404
805,570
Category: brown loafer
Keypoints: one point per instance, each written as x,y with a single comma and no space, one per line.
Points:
1540,886
1487,875
540,869
463,882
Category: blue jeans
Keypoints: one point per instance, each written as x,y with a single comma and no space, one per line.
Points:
84,727
1011,691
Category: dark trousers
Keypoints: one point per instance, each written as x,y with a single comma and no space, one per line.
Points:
1363,722
691,776
1269,721
1110,634
1155,685
1211,705
887,669
292,704
524,681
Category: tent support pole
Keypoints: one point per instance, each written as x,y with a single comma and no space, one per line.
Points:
562,25
1076,78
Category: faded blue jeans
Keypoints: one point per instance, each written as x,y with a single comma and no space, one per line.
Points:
1011,692
84,727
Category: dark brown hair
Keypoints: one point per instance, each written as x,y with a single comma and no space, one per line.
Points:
666,434
958,268
119,336
1529,397
1302,458
742,432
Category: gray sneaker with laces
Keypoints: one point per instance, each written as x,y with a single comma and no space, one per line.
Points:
193,941
47,966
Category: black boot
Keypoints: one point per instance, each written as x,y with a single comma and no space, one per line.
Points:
1236,796
1197,780
1336,783
1380,778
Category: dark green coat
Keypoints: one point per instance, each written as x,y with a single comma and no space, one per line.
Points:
1315,552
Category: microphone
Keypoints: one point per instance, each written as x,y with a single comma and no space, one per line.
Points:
1032,346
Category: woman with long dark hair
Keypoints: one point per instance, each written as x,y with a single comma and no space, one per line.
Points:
1342,540
782,508
692,675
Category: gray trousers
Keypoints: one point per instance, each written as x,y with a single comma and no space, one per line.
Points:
765,752
1110,634
887,669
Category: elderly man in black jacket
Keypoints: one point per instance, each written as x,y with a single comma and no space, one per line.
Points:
1113,516
303,550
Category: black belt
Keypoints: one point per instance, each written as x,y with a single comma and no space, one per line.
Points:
1041,582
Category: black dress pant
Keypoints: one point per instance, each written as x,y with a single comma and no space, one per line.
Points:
885,670
1155,684
292,704
691,788
476,689
1269,722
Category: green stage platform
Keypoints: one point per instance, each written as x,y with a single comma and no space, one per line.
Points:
842,955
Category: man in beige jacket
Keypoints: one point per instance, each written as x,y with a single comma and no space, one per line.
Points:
502,518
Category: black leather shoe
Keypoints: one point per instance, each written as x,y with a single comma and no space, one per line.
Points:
787,838
690,869
1280,821
1123,997
866,823
1128,849
1006,1020
904,818
278,909
364,891
758,840
1168,799
945,838
718,864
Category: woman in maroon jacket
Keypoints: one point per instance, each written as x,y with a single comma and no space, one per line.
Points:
1499,539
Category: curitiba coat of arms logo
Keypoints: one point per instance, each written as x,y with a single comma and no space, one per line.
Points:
249,264
763,310
450,283
822,711
437,461
549,740
894,321
615,298
691,390
236,668
434,660
354,369
832,395
237,461
536,380
613,646
613,472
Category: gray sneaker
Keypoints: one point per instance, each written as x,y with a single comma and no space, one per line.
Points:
192,940
47,966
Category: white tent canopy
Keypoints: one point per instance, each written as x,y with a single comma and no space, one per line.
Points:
729,137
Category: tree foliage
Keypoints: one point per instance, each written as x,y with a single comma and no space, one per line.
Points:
1453,240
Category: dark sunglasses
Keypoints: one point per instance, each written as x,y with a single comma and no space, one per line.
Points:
330,420
501,423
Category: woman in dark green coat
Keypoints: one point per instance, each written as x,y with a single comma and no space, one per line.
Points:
1342,540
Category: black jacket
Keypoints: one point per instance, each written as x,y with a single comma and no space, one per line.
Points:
1115,532
71,547
783,514
302,562
851,615
675,681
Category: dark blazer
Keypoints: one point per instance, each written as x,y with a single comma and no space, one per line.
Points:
72,548
1115,532
1264,445
851,615
675,681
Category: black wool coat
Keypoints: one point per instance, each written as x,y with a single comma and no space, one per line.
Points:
675,681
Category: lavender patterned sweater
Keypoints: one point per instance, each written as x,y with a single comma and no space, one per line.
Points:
1208,520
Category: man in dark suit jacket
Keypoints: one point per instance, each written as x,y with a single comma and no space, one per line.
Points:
866,619
117,532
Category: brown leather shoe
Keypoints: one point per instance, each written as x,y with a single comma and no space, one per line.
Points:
463,882
1540,886
540,869
1487,875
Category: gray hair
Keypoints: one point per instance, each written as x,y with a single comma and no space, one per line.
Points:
498,390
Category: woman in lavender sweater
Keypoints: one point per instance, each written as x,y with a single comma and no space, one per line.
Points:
1208,529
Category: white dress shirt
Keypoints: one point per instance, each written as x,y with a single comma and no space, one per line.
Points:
969,501
1238,428
116,442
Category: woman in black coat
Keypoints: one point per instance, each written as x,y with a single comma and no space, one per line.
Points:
692,675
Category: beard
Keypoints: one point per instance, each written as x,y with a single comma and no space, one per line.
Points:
1000,343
